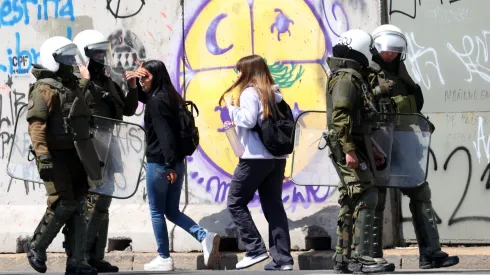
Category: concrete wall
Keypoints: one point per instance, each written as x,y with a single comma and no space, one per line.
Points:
448,57
297,34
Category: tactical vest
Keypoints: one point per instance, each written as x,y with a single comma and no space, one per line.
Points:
362,110
402,95
58,133
104,100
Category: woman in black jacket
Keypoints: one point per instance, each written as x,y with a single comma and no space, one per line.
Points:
165,164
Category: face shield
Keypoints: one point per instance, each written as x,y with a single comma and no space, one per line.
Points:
390,41
101,53
68,55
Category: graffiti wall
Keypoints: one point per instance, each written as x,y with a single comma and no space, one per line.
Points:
200,42
454,74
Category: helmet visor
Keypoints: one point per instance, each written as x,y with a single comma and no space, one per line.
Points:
68,55
390,42
101,53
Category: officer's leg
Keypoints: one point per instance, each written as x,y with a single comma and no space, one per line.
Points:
378,226
365,199
57,214
425,227
61,206
344,232
76,229
98,226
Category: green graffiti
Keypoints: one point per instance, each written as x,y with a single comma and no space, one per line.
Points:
284,74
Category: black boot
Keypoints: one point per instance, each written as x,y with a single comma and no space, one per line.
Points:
340,264
49,226
75,244
97,232
437,260
361,261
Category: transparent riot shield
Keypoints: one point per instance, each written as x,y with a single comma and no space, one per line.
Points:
311,164
21,163
405,143
399,142
120,146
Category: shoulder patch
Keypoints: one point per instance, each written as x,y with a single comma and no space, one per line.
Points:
30,104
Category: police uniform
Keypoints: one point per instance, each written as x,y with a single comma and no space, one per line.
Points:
105,98
50,101
408,98
348,126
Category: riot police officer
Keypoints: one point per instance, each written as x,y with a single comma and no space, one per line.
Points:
105,98
407,97
349,108
58,118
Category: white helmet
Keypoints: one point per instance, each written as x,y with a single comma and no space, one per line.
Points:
358,40
94,45
59,49
390,38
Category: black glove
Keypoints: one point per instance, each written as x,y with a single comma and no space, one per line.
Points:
45,167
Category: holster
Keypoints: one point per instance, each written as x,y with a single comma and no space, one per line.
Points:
336,153
80,118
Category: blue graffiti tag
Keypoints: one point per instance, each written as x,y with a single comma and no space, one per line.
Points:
20,60
13,11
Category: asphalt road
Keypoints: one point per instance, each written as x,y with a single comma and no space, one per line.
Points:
306,272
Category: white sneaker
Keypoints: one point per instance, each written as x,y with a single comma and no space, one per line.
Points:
160,264
210,248
249,261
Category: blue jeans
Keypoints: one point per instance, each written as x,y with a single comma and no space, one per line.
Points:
164,199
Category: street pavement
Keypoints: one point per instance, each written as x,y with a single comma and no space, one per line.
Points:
306,272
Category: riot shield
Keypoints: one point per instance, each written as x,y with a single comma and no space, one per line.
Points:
120,146
311,164
21,163
400,145
405,144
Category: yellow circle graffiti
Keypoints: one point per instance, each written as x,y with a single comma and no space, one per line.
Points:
290,38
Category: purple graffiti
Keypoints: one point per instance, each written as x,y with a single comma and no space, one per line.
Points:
221,188
281,24
293,195
335,6
211,42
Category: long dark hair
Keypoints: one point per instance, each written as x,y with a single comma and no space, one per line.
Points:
161,80
255,72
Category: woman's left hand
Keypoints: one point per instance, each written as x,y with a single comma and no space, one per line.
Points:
172,176
229,101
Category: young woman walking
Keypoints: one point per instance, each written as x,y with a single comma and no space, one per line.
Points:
165,165
257,168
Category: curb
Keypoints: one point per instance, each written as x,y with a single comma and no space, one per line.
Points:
305,260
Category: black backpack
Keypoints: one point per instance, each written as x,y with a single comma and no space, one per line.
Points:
189,134
276,132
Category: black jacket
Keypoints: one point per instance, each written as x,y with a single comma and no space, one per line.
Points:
162,128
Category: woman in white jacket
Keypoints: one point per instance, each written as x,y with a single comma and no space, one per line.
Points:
257,168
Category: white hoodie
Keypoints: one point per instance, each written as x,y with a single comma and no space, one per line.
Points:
245,117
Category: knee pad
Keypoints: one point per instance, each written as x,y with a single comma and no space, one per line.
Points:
81,207
102,204
421,193
64,209
369,199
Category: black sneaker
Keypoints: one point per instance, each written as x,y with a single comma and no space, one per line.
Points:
437,260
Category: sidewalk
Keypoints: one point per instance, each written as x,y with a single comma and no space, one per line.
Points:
404,258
